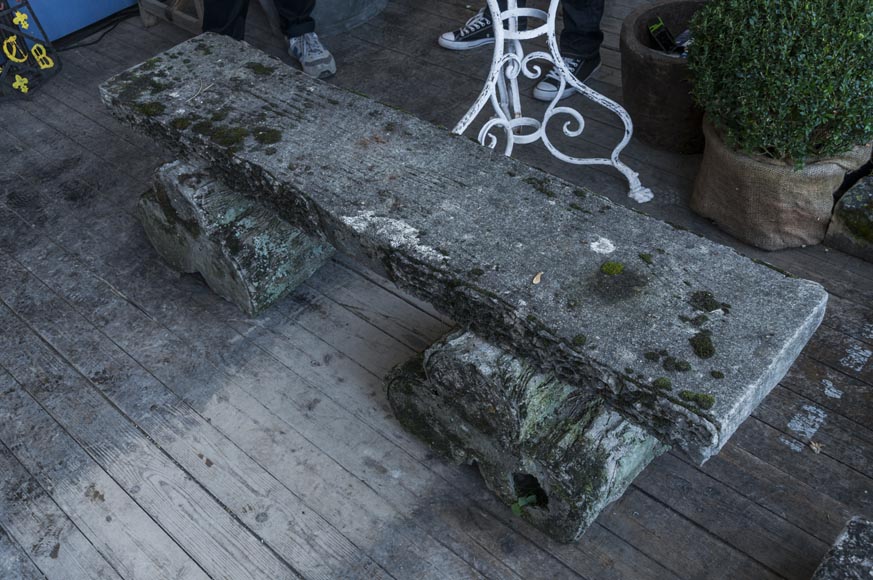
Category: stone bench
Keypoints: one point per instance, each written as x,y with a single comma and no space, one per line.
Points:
679,335
851,556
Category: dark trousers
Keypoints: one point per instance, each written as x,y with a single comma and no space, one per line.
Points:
229,16
581,36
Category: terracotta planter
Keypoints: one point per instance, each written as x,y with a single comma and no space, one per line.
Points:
765,202
656,86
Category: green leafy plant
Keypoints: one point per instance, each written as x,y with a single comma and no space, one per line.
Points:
523,502
789,79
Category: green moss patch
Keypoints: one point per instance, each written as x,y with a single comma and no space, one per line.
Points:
647,258
150,109
541,185
612,268
702,344
260,69
702,400
267,135
580,340
663,384
717,374
675,365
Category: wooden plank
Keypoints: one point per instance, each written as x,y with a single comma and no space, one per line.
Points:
288,525
30,517
200,380
819,471
112,522
776,544
840,439
831,390
214,539
687,549
14,561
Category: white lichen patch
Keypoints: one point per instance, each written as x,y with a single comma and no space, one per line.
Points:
395,233
602,246
808,421
830,390
856,357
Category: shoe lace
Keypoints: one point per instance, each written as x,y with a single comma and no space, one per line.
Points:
570,62
312,46
479,21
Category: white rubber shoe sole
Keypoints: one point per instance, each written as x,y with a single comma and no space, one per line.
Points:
544,91
447,40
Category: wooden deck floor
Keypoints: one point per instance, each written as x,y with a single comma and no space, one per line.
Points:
149,430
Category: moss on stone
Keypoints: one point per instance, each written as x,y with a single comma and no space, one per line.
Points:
150,64
580,193
202,127
612,268
476,272
647,258
702,344
702,400
717,374
181,123
652,356
663,384
580,340
260,69
219,115
704,300
675,365
858,216
772,267
267,135
228,136
151,109
541,185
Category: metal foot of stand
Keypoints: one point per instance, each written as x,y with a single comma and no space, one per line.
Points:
501,90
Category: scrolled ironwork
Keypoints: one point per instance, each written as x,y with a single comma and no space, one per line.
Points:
501,90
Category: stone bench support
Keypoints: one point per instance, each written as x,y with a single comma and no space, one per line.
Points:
557,455
851,556
246,254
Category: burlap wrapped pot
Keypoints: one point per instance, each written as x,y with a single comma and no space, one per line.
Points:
766,202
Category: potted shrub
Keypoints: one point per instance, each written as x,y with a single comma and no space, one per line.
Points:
787,90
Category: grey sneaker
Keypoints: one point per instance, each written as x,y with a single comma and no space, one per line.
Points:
581,68
315,60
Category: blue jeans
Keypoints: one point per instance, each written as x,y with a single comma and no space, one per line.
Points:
581,36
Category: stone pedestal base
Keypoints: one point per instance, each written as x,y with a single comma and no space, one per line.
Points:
557,455
245,253
851,557
851,227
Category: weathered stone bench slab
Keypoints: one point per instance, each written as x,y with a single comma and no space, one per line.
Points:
246,254
851,556
556,454
682,335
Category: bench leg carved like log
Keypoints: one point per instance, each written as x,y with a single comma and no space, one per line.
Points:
246,254
555,454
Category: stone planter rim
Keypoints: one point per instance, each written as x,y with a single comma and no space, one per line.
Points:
629,36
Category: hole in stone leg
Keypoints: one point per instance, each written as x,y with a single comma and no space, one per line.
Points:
527,485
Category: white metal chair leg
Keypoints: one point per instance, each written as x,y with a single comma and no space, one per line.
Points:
501,89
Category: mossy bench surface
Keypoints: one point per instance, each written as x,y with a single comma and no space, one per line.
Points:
680,334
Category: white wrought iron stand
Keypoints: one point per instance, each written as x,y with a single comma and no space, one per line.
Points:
501,89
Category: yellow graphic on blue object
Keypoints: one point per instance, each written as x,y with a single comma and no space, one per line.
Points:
41,57
21,20
12,51
20,84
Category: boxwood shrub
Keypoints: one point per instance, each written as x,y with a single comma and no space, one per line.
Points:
790,79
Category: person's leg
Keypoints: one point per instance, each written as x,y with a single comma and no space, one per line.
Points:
581,36
580,47
225,17
296,16
303,43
